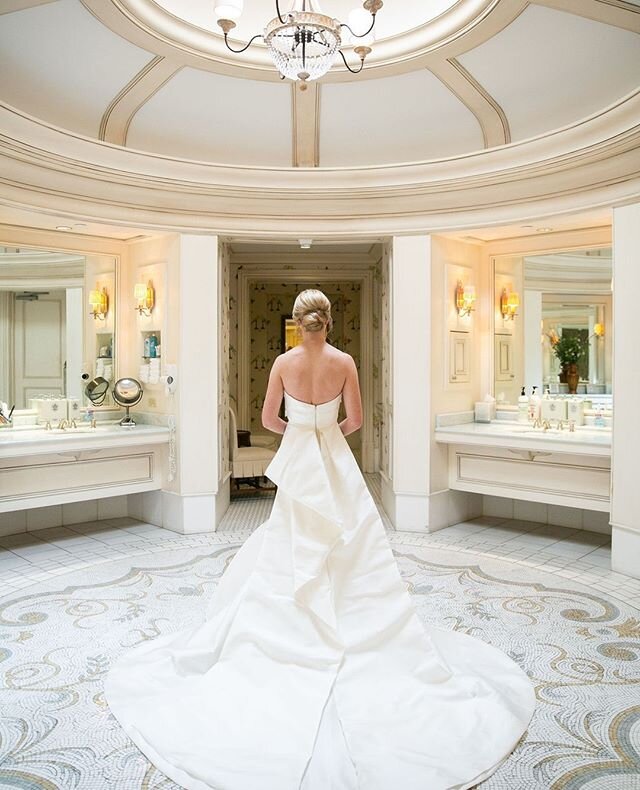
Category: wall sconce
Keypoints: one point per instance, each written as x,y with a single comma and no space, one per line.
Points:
598,331
553,336
145,298
99,303
509,304
465,298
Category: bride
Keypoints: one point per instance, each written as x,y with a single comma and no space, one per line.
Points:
312,670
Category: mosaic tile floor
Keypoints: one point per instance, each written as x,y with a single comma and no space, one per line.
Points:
73,598
577,554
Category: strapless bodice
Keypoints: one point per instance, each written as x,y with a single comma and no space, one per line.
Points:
310,415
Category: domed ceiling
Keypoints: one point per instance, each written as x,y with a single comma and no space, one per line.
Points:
445,78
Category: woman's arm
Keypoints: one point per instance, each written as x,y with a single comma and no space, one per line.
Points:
272,400
351,399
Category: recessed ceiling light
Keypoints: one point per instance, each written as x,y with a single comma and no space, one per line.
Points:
305,244
79,225
63,227
544,230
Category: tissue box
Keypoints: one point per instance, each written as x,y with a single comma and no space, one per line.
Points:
49,409
485,411
553,409
575,411
73,408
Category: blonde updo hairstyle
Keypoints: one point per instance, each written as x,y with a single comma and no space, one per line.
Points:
312,311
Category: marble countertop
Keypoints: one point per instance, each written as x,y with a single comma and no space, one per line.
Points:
585,440
37,441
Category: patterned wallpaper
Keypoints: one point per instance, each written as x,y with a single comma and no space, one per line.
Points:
269,302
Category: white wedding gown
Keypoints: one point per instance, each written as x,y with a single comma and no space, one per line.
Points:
312,670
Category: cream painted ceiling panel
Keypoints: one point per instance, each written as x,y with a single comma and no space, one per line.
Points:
201,115
411,117
550,68
62,65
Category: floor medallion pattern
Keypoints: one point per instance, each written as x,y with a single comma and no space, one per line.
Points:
58,639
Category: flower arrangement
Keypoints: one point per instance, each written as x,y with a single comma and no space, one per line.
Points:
569,350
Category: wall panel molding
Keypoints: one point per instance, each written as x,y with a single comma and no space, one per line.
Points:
589,164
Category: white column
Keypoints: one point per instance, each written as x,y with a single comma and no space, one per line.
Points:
196,503
625,500
406,494
74,342
532,334
7,318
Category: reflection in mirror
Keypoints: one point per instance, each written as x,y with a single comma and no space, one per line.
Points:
57,319
290,336
560,337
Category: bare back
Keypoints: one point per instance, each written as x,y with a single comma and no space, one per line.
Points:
314,373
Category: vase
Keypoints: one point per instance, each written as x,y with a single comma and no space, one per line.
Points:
573,377
562,376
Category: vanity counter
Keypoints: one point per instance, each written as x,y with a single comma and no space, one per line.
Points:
39,468
24,441
515,460
585,440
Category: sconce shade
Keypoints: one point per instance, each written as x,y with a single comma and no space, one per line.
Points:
145,297
465,298
99,303
140,292
598,330
509,303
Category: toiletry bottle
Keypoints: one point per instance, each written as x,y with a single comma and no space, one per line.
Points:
153,345
523,407
147,347
599,419
534,404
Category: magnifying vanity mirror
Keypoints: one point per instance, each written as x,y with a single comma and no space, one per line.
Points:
127,392
553,325
57,326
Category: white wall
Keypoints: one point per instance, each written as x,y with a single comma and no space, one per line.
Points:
625,502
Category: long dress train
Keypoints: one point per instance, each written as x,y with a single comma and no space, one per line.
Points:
312,670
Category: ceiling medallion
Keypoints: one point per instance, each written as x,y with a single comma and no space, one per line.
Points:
303,43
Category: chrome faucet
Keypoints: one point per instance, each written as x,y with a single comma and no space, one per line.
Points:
63,425
546,425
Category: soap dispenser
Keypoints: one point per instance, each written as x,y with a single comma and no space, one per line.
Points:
534,404
523,407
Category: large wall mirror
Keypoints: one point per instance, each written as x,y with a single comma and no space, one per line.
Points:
57,324
553,324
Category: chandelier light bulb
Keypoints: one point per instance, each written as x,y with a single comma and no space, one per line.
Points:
229,9
359,21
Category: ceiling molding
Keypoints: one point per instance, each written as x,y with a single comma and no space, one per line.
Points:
489,114
9,6
121,110
465,25
609,12
305,108
584,166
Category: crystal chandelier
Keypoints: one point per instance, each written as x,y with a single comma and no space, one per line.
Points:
303,42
